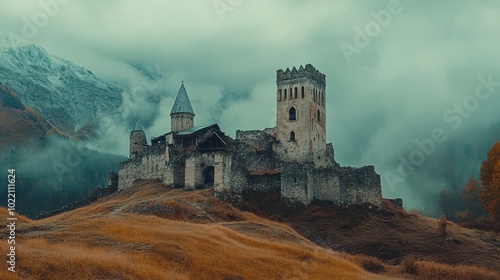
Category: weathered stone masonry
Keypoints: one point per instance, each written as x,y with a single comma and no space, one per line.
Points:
291,160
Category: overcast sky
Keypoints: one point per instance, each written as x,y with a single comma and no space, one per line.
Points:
382,94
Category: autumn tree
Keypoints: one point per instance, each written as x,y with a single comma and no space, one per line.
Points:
490,177
471,196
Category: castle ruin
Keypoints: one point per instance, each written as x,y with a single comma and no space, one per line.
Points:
291,161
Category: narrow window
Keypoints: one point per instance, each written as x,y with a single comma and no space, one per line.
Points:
295,93
292,136
295,179
292,114
318,117
302,93
285,93
290,93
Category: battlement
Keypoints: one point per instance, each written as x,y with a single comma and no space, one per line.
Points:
309,72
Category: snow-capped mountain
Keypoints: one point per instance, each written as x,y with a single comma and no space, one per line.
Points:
67,95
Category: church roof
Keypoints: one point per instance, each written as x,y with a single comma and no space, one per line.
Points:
195,129
182,105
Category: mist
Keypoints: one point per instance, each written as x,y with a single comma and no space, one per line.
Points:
55,173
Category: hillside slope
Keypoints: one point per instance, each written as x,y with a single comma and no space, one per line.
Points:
387,233
152,232
20,124
114,239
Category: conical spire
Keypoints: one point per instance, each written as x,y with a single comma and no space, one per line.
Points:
138,126
182,105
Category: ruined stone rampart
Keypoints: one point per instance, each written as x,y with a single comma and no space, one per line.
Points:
160,161
359,185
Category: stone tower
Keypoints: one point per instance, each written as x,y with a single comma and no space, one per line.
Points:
138,141
301,114
182,114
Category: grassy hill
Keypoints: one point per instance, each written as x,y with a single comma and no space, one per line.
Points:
387,233
17,119
151,232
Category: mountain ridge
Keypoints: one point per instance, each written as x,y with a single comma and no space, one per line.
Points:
68,96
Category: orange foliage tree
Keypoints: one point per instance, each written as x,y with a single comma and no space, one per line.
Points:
490,176
471,196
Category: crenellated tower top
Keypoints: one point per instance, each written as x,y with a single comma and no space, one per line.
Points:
294,75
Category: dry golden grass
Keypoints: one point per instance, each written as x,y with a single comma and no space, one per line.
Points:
410,268
5,213
433,270
145,247
151,232
106,241
389,234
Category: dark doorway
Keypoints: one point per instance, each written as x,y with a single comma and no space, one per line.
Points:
208,176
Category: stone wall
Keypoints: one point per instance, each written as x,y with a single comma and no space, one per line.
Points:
266,182
327,184
253,151
329,157
342,186
254,163
252,167
255,136
138,143
197,162
295,184
359,185
159,161
112,181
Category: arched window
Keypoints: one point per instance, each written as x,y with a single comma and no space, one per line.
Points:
290,94
292,136
285,94
302,93
318,117
295,93
292,114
